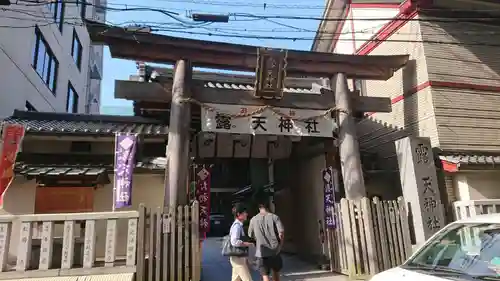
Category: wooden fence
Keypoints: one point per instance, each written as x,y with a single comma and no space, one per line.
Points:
152,244
370,237
170,242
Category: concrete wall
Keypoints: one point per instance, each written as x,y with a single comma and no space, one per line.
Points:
413,112
475,186
18,79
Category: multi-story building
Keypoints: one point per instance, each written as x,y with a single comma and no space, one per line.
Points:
449,91
47,60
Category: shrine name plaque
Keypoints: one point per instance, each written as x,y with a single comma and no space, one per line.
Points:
270,73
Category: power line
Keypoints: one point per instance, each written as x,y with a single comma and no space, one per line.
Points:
328,38
160,26
263,5
173,15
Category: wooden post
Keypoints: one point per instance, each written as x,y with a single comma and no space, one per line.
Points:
350,159
178,136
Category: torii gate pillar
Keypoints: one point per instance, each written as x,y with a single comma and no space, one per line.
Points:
350,159
176,177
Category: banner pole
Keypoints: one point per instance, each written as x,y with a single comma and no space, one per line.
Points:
114,173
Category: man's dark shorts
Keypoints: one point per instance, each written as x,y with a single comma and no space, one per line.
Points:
267,265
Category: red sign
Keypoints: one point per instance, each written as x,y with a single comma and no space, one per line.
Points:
203,197
11,142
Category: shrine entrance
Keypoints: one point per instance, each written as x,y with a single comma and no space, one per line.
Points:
291,130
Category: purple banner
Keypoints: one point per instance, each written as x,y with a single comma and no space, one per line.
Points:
125,146
329,195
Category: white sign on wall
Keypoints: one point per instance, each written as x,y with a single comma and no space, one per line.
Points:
267,122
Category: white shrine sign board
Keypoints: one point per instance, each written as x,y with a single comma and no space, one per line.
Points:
267,122
420,186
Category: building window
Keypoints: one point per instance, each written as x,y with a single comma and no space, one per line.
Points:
29,107
57,9
44,61
72,100
76,50
83,8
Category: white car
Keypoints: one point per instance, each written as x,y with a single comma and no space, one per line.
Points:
467,249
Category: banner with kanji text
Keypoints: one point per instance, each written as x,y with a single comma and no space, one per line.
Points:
12,137
329,197
125,147
203,196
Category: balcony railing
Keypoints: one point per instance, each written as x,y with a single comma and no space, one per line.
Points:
470,208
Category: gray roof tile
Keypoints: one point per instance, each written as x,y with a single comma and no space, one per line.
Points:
471,159
47,122
239,86
33,170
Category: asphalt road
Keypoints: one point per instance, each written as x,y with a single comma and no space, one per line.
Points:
216,267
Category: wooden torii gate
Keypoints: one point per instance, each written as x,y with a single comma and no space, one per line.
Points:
271,67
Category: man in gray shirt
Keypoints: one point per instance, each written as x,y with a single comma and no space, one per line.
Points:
267,230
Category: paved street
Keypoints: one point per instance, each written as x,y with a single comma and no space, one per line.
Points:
215,267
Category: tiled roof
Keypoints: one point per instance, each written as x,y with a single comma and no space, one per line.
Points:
239,81
240,86
33,170
155,163
472,159
48,122
88,162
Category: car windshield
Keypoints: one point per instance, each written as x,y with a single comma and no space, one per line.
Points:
462,251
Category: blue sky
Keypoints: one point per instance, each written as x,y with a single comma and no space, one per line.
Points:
120,69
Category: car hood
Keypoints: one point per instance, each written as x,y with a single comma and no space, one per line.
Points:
401,274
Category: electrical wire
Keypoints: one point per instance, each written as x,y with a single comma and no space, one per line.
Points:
220,32
232,34
267,17
264,5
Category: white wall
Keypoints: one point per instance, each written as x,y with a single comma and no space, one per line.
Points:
356,29
345,45
19,81
477,186
365,29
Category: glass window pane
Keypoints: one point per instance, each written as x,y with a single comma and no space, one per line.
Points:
53,76
73,46
75,103
69,103
48,69
40,64
35,50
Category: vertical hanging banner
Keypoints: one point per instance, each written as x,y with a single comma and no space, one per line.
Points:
125,147
12,137
203,196
329,195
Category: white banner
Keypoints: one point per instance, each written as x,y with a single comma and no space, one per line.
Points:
267,122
